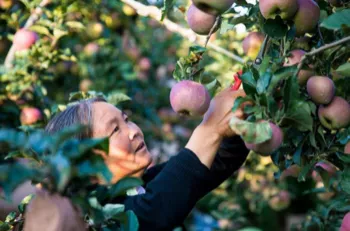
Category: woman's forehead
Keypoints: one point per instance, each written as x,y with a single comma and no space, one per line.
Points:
103,110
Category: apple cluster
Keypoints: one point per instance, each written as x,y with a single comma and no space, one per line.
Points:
304,13
202,14
334,111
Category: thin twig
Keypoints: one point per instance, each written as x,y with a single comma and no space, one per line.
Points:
320,49
216,24
31,20
155,13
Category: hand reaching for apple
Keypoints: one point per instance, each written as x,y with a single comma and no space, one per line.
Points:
219,114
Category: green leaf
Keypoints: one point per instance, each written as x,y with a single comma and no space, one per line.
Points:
168,5
10,217
250,229
281,74
95,165
345,180
290,92
75,25
62,173
249,83
128,221
263,82
344,69
40,29
337,20
226,26
123,185
110,210
116,98
251,132
197,49
275,28
5,227
305,170
299,115
344,157
239,100
22,206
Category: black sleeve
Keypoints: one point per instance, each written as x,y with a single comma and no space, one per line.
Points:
182,181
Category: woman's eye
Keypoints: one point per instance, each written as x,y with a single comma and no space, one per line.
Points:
115,129
127,119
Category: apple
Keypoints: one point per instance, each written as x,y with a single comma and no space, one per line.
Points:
286,9
268,147
335,115
85,85
252,43
133,53
347,148
330,168
91,49
128,10
213,7
280,201
24,39
199,21
294,58
30,115
94,30
145,64
324,196
189,98
6,4
291,171
321,89
345,225
306,18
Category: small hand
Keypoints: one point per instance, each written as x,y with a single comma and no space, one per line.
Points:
219,114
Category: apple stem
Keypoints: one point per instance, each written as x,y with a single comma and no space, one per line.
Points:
320,49
31,20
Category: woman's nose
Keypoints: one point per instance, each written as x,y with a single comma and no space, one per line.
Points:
133,131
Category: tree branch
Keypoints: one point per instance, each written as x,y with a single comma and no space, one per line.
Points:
155,13
320,49
31,20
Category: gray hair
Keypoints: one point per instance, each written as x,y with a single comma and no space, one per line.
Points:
79,112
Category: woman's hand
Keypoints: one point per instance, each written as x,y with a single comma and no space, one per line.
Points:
218,116
206,138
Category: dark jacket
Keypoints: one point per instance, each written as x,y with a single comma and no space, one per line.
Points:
174,187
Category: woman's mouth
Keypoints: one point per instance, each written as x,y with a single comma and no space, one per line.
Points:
140,147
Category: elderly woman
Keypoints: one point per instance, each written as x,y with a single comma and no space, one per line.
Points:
171,190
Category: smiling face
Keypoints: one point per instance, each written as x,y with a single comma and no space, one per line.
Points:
128,153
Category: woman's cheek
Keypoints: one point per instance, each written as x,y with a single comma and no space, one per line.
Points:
118,147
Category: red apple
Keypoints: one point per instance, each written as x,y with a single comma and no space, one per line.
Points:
24,39
30,115
292,171
213,7
145,64
335,115
307,17
199,21
6,4
345,225
347,148
91,49
268,147
294,58
286,9
321,89
330,168
252,43
280,201
189,98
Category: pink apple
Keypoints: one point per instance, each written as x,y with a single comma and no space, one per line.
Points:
24,39
189,98
30,115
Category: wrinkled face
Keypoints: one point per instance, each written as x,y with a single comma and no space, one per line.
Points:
128,153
